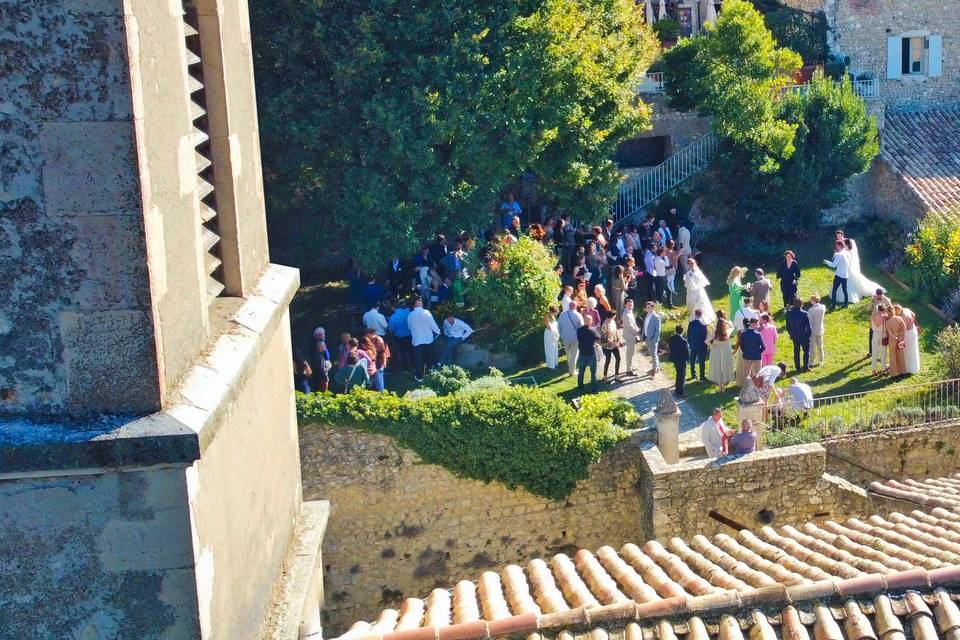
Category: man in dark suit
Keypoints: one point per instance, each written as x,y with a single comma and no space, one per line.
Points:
697,339
398,277
798,326
679,354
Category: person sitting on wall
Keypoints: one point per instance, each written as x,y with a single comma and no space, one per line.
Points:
745,441
714,434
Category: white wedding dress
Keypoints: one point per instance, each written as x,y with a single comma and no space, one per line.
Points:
858,285
696,285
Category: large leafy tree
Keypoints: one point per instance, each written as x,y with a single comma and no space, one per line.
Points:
735,73
786,154
382,122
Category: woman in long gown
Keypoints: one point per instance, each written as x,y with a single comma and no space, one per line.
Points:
721,371
912,338
735,289
896,344
551,338
696,285
858,285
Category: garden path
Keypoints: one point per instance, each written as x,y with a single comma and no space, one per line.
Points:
643,391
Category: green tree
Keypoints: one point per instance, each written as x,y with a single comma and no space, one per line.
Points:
786,154
383,122
735,73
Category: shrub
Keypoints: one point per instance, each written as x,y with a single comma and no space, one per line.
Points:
801,31
951,305
948,342
519,436
933,258
667,29
513,294
610,408
485,383
447,379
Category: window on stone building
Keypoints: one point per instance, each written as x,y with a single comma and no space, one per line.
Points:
914,54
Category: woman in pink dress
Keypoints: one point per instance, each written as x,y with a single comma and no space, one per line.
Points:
768,331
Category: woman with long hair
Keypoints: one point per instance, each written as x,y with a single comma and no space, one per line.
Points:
735,289
722,370
911,338
610,343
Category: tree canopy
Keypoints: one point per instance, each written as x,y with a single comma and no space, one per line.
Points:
786,154
384,122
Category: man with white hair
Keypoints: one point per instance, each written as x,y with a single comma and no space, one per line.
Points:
567,323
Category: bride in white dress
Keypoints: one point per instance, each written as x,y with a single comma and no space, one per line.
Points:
858,285
696,285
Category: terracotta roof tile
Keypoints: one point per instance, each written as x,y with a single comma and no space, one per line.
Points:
877,578
924,149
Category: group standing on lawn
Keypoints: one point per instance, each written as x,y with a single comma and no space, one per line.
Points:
638,265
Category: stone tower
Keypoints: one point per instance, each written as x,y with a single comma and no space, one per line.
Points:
149,471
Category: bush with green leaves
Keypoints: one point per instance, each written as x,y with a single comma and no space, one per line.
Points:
948,343
447,379
933,258
513,294
519,436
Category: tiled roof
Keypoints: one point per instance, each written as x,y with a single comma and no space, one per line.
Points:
932,492
924,149
726,586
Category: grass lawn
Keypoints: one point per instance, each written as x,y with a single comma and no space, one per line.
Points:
847,369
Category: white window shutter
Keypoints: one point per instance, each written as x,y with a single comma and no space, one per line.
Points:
935,56
894,56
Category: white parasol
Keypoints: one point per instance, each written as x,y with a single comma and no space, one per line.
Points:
648,15
662,12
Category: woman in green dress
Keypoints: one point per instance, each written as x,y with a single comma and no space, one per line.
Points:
735,287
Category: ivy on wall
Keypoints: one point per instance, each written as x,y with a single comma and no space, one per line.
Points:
519,436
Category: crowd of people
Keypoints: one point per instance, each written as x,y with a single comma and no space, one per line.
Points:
616,281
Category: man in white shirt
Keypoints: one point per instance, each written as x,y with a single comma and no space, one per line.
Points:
816,314
423,330
799,398
566,298
841,271
713,431
745,313
456,331
683,243
375,320
568,322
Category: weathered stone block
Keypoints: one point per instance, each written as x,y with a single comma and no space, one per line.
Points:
89,167
111,253
119,379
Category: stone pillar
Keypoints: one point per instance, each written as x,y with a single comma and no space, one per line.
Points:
752,411
667,419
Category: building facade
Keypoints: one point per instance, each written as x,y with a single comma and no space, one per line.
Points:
911,46
149,472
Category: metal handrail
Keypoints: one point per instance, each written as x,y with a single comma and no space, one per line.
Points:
892,407
651,83
865,89
639,191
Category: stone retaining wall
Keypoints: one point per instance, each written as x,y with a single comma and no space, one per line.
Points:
399,528
928,451
774,486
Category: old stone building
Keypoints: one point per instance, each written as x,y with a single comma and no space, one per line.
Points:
149,471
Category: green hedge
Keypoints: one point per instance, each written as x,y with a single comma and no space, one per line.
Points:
519,436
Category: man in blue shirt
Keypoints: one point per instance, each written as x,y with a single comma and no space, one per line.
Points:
400,335
751,348
508,209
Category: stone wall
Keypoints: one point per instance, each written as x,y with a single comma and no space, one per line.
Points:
920,452
892,198
860,28
682,127
774,486
398,528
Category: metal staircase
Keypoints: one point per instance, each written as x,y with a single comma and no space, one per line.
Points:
637,192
